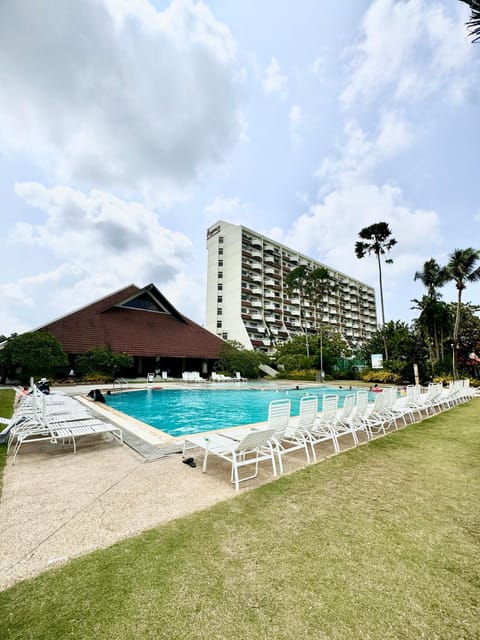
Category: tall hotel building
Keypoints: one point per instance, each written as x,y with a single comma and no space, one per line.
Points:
247,298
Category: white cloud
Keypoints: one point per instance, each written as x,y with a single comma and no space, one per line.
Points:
317,68
273,80
411,50
229,209
394,135
188,294
101,242
295,121
118,95
329,230
360,154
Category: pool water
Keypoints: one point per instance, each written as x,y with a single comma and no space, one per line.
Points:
180,412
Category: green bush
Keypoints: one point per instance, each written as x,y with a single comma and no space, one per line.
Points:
97,376
296,362
102,359
31,355
300,374
445,379
380,375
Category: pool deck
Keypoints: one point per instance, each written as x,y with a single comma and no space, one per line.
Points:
56,505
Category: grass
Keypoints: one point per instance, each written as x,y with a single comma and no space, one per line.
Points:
381,542
7,397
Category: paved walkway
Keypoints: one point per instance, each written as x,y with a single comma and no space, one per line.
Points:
56,505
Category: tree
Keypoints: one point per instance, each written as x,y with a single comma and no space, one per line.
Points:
435,323
291,354
376,239
103,360
233,357
469,332
32,354
473,24
461,269
318,284
295,281
403,344
432,276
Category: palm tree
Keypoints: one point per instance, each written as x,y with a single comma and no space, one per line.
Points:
318,284
432,276
474,23
461,269
295,281
376,239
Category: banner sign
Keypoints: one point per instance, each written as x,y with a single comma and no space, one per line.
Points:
377,360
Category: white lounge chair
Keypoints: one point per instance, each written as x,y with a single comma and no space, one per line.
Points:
315,431
256,446
288,436
71,431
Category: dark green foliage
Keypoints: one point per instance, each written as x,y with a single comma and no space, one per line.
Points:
292,356
102,360
473,24
233,357
462,268
376,239
33,354
404,345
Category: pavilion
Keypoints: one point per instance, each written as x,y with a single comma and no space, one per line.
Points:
144,324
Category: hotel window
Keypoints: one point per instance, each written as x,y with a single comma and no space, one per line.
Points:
220,275
219,324
225,335
220,239
219,298
220,286
220,251
219,311
220,263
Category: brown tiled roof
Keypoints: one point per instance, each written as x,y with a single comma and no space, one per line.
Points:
134,331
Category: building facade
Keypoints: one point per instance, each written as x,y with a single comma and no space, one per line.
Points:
144,324
248,301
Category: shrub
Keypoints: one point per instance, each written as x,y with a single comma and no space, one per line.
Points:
32,354
102,359
300,374
380,375
97,376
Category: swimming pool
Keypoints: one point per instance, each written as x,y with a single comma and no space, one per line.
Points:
179,412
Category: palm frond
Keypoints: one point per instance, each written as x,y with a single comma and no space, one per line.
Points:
473,24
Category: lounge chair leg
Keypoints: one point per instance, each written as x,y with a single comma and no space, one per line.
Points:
204,469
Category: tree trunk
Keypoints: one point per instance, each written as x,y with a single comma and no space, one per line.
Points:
381,287
456,329
381,304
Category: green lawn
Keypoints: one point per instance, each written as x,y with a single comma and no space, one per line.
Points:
381,542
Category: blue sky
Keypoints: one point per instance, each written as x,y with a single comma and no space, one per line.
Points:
127,127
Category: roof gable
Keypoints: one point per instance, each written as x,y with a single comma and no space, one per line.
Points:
141,322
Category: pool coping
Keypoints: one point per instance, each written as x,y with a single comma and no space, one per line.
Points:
152,443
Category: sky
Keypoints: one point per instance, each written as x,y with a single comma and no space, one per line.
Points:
128,127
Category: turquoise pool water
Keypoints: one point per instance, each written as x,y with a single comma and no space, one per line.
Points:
180,412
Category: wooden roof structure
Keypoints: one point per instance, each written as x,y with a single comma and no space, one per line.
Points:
140,322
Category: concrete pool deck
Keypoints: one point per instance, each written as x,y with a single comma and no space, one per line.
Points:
56,505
